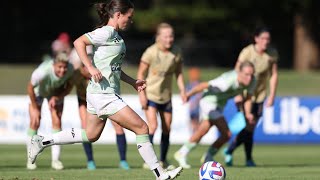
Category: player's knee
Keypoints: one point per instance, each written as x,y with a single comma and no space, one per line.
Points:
92,138
143,128
152,127
166,130
34,124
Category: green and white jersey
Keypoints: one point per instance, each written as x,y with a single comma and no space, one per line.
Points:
109,51
225,87
45,82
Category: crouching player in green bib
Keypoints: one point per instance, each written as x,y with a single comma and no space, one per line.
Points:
215,96
50,81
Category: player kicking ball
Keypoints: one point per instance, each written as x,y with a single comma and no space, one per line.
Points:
103,99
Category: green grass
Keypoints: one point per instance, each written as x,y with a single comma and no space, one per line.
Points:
274,162
14,79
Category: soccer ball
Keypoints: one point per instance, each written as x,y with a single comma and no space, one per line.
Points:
212,170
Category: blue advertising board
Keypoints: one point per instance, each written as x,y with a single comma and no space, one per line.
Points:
291,120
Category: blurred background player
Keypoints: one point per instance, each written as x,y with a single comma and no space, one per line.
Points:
61,44
80,80
265,60
159,63
50,81
103,99
215,95
193,101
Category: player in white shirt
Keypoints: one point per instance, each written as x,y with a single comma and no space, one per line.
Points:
50,81
81,78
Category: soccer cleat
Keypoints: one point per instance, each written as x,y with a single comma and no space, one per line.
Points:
172,174
31,166
228,159
91,165
182,160
57,165
206,157
166,165
124,165
35,148
250,163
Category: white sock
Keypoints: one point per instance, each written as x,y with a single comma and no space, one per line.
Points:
55,152
28,143
186,148
147,153
55,149
30,133
68,136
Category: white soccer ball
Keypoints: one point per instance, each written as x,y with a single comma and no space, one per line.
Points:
212,170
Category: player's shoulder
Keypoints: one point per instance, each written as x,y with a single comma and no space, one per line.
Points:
152,49
230,74
46,64
104,31
248,48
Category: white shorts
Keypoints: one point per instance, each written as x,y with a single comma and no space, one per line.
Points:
104,105
210,111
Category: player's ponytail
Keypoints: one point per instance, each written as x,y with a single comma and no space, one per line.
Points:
103,14
107,10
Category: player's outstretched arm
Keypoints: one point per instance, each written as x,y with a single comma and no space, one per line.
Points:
199,88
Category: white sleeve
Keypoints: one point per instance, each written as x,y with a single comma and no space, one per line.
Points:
36,77
99,36
220,83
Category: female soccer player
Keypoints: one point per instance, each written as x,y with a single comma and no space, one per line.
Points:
103,100
215,95
264,59
49,81
162,61
80,80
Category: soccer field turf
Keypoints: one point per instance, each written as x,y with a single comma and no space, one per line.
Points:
274,162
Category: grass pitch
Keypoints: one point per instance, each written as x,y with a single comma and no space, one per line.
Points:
274,162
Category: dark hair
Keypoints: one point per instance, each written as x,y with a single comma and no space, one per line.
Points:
261,30
246,64
107,10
